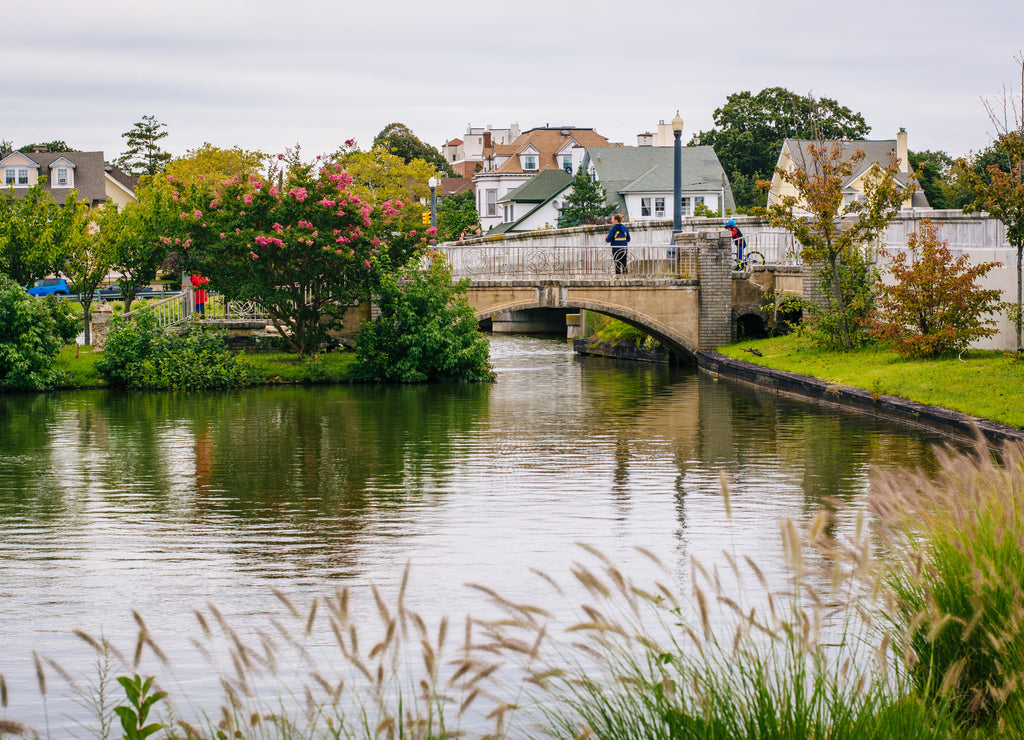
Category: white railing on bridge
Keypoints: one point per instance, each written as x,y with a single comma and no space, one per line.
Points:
499,260
178,308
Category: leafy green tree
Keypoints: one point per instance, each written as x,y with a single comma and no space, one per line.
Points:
426,330
585,204
749,130
214,163
32,333
305,250
932,170
935,306
144,155
381,177
836,240
398,139
57,145
141,235
36,233
457,216
89,262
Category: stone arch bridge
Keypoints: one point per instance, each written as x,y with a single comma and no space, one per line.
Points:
689,296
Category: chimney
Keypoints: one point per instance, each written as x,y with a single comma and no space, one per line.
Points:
901,150
645,139
487,140
40,149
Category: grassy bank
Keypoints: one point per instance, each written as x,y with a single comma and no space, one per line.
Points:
987,384
79,364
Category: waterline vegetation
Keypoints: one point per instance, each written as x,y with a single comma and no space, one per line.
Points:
902,623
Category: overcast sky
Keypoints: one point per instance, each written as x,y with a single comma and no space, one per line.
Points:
267,75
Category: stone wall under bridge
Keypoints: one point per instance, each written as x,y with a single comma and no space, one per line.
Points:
699,310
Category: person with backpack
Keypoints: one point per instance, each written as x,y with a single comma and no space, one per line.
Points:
737,238
618,237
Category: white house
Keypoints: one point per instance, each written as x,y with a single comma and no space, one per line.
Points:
640,180
538,150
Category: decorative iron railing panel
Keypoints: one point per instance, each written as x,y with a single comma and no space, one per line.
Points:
509,260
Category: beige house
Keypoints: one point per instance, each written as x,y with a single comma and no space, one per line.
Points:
62,172
796,153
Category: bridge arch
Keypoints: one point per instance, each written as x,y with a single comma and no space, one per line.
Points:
682,347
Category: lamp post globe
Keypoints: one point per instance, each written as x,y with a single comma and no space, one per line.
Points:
433,183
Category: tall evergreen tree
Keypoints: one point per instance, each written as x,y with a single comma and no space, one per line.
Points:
587,203
144,155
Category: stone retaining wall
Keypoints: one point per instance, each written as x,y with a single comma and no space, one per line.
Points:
944,421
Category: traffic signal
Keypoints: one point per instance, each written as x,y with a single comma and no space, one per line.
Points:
426,218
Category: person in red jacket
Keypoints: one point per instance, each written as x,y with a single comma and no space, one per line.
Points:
198,281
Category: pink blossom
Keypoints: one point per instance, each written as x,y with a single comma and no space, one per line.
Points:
375,241
253,255
184,215
247,199
170,178
273,192
299,194
432,230
202,177
278,228
280,157
197,213
327,203
350,143
412,233
222,235
367,263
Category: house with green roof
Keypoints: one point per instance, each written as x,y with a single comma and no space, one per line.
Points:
639,180
535,203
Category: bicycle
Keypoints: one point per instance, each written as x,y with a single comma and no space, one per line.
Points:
744,258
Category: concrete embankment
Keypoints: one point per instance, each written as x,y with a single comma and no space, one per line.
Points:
951,423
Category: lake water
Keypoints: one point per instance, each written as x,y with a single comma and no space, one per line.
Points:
164,503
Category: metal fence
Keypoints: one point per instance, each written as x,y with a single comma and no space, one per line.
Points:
510,260
180,307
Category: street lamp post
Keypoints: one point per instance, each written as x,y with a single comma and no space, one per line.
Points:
433,182
677,176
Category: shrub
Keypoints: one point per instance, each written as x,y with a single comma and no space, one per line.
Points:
426,331
936,307
32,333
140,355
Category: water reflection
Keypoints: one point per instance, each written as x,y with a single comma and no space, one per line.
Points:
163,502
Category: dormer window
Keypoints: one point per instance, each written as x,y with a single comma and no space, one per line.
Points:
530,162
62,174
16,176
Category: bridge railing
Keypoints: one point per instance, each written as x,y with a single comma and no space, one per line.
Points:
508,260
176,309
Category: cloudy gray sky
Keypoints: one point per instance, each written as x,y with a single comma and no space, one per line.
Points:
267,75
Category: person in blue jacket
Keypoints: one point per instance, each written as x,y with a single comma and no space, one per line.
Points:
618,237
737,237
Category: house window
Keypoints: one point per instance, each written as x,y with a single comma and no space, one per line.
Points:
63,178
567,163
684,206
508,213
16,176
492,202
645,206
529,162
659,207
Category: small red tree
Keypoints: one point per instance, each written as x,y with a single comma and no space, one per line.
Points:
936,306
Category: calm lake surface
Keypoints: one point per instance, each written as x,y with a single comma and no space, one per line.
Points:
165,503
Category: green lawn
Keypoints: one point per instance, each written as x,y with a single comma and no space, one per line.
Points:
275,367
987,384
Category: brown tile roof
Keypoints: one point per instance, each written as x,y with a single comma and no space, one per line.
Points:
455,185
454,142
547,142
